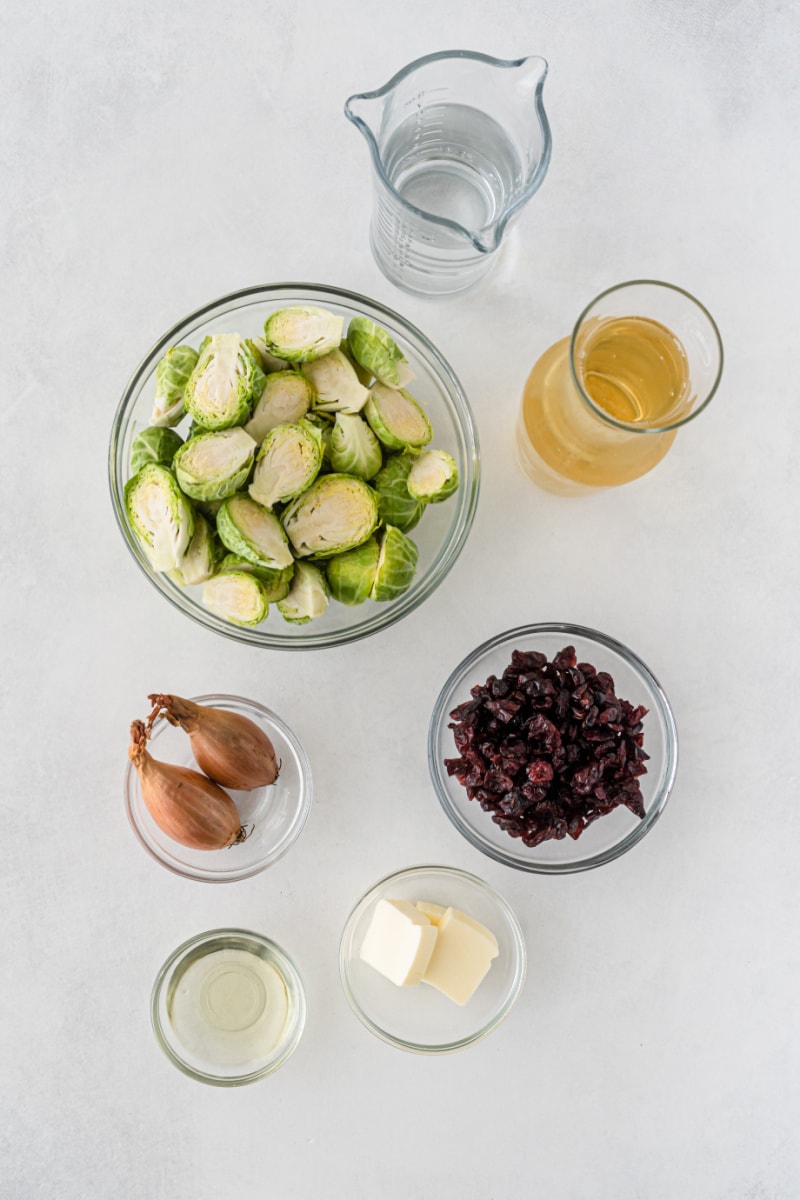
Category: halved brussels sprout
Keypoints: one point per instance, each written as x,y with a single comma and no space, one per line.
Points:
199,563
160,515
236,596
275,580
377,352
253,532
336,513
397,563
351,575
287,396
172,374
324,423
212,466
268,362
302,332
308,595
362,374
288,461
354,449
155,444
396,504
396,418
433,477
334,380
220,388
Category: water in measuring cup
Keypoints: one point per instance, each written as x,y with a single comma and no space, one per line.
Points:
454,161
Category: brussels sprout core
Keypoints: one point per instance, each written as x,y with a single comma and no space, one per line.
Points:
220,388
336,513
433,477
211,466
302,333
236,596
160,515
288,462
287,396
253,532
396,418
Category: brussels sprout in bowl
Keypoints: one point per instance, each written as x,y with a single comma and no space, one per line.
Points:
229,349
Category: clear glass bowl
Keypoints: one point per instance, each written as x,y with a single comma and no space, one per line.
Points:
607,837
421,1019
277,813
440,535
200,1061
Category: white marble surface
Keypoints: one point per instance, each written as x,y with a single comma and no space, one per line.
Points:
157,156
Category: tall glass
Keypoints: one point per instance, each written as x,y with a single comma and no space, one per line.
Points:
603,406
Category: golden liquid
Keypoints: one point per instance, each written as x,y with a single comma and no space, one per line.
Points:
635,370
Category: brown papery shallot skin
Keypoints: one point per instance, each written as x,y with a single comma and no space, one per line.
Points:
184,804
230,748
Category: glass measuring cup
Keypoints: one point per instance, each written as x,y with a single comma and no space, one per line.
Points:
459,143
603,407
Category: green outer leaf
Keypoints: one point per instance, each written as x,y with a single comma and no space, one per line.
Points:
155,444
220,388
375,350
276,580
396,505
397,419
275,481
242,450
217,596
166,530
351,575
322,502
354,449
302,332
172,374
253,532
308,595
396,565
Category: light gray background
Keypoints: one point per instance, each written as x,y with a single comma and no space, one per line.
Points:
156,156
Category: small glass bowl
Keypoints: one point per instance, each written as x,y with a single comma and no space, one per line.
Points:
609,836
421,1019
277,813
202,1066
440,535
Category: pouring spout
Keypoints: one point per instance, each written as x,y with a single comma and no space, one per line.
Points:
364,110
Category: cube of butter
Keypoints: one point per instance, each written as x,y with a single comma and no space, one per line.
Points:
399,942
434,912
461,957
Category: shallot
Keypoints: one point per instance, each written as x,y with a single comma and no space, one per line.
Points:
229,747
184,804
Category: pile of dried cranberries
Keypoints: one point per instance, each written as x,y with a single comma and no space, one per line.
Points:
548,747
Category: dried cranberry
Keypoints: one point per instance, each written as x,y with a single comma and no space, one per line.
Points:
548,747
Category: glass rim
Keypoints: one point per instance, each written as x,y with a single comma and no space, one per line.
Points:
287,965
628,426
497,227
506,856
435,1048
468,492
132,789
